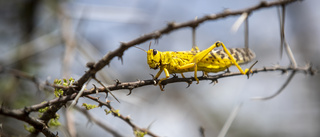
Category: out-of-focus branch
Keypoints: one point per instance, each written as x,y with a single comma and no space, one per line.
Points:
24,116
98,122
21,74
126,119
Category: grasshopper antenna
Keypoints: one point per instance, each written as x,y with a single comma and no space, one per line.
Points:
149,45
140,48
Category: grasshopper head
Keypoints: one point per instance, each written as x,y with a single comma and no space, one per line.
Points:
153,58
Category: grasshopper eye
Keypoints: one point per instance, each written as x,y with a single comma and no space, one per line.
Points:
155,52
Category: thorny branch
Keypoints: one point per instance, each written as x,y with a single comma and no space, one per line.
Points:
136,84
169,28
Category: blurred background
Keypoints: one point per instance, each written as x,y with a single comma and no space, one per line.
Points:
55,39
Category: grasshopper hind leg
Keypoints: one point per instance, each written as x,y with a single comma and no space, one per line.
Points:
167,76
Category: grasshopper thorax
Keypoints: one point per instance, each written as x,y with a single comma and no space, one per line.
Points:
154,58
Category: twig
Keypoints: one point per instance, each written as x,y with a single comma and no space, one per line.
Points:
194,28
246,36
108,91
286,45
74,102
279,91
98,122
289,53
68,30
281,23
235,27
126,119
229,121
24,75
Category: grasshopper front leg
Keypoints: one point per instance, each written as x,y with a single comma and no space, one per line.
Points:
159,73
162,79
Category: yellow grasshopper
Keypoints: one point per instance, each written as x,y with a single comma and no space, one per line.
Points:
207,60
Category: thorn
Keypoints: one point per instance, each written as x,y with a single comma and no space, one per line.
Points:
250,69
106,94
263,3
248,75
140,81
189,83
117,82
174,75
123,44
163,86
121,59
284,72
156,36
156,41
95,88
264,68
152,76
171,24
130,91
26,111
90,65
127,117
214,81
